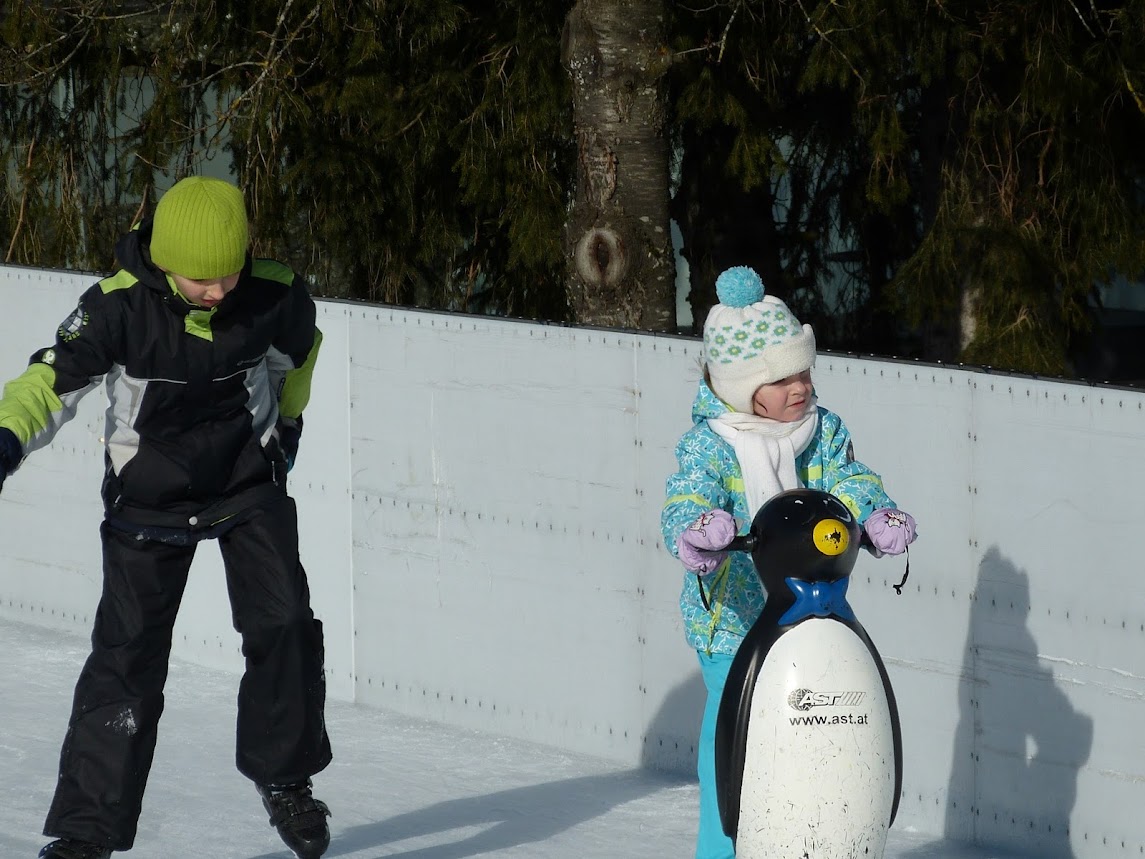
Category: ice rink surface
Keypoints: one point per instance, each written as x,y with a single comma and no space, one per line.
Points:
398,787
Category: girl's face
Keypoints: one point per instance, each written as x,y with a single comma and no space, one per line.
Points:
785,400
205,293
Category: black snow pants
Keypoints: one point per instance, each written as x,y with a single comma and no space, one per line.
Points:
110,741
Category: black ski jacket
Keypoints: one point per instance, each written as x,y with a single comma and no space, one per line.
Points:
195,395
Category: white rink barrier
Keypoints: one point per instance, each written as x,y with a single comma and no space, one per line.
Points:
480,505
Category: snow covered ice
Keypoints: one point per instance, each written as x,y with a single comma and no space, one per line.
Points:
398,787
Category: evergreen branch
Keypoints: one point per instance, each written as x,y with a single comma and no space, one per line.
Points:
54,69
708,45
140,210
1137,98
696,11
704,47
1132,90
411,124
273,57
724,35
500,56
23,204
1081,17
220,71
85,16
825,36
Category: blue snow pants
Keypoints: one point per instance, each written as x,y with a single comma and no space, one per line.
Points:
711,843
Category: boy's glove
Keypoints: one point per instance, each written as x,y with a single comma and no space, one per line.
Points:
890,531
10,453
289,434
700,545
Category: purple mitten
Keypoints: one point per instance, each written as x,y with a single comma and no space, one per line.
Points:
890,531
701,543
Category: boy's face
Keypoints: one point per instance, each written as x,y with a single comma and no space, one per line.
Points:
785,400
205,293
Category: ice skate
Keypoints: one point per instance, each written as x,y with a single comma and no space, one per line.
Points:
66,848
299,818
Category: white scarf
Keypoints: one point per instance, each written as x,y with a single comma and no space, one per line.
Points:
766,450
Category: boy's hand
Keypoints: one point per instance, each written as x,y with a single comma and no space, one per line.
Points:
890,531
10,453
289,434
700,546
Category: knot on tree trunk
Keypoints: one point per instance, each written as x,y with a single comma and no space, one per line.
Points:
600,257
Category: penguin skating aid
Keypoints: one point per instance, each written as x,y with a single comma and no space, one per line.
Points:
808,747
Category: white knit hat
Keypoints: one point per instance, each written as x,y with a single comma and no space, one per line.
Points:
751,339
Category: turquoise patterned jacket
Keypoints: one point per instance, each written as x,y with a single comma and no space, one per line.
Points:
709,476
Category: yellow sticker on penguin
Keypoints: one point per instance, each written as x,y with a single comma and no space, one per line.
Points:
831,537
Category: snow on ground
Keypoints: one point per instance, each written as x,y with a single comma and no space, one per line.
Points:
398,787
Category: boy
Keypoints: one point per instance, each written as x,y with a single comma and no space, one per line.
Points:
207,357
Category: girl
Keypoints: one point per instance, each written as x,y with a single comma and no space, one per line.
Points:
757,430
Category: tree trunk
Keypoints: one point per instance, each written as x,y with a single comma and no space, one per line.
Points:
621,270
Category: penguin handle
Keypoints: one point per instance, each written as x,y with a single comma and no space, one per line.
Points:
746,542
866,543
742,543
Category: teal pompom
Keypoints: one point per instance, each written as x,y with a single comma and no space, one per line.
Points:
739,287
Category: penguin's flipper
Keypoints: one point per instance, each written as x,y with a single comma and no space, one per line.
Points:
892,706
732,722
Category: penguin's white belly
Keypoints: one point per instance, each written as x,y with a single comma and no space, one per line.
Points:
819,768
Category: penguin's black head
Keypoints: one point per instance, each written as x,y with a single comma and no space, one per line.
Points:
806,534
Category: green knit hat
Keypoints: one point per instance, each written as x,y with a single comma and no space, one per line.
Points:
200,229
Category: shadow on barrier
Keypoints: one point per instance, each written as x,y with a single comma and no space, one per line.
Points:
670,744
537,812
1019,742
